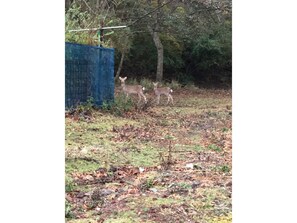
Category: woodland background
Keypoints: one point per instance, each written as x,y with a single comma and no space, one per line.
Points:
186,41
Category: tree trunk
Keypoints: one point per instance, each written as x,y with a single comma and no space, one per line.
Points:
160,51
120,66
155,34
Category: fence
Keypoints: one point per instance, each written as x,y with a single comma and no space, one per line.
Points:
89,73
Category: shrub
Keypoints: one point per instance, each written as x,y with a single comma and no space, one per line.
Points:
119,106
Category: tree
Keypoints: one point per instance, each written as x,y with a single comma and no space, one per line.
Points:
172,39
122,41
154,31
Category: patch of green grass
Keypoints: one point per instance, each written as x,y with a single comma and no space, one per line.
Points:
149,183
214,148
68,210
149,202
82,133
212,201
69,184
225,129
124,217
77,165
184,185
225,169
147,156
199,148
222,168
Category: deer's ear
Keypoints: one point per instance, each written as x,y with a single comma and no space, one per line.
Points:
125,78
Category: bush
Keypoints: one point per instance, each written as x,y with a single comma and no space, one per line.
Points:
119,106
147,83
175,85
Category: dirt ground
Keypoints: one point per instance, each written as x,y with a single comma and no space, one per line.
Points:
167,163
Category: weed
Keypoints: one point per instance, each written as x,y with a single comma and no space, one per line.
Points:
225,169
147,184
87,106
166,160
225,129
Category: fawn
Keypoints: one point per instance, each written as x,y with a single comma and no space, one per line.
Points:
163,90
132,89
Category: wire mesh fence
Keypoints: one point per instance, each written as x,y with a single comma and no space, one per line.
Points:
89,74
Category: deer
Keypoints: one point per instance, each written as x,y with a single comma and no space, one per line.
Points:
132,89
163,90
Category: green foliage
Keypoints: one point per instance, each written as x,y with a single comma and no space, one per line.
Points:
75,18
86,108
119,106
146,83
213,50
210,55
175,85
197,39
69,184
142,58
173,50
185,79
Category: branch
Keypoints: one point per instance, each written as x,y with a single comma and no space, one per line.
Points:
89,6
150,12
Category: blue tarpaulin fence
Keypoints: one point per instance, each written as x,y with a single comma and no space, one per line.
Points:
89,74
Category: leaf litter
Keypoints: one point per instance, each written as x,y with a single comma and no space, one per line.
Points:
195,185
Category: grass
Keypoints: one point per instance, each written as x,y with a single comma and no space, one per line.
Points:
76,165
145,203
123,217
214,148
162,140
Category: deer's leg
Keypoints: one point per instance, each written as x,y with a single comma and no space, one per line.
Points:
171,98
168,99
139,96
143,97
158,99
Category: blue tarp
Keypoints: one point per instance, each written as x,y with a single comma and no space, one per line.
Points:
89,73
